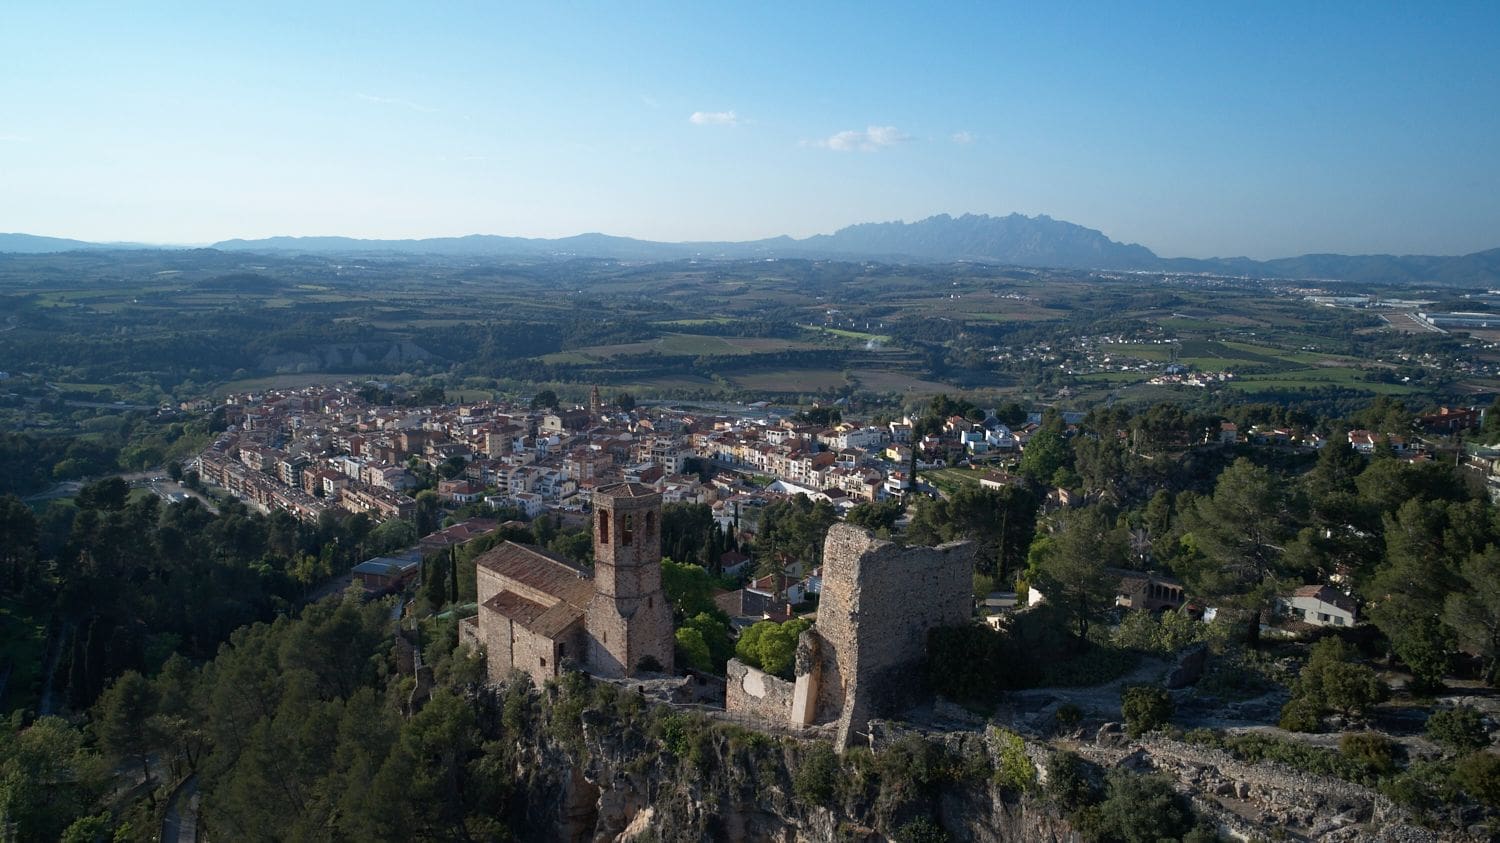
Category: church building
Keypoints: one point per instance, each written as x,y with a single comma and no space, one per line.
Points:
540,614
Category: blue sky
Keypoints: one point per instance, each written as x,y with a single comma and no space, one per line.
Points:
1264,129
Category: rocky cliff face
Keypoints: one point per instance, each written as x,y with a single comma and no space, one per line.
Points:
632,772
596,761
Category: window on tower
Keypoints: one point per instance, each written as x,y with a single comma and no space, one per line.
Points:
604,526
628,531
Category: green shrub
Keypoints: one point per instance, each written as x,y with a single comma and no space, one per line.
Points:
1423,787
1300,715
816,775
1351,689
1145,707
1460,729
1256,748
1332,680
516,706
1138,809
921,830
771,646
1240,674
1068,717
1015,772
913,759
688,737
1479,774
1369,748
1067,780
1163,635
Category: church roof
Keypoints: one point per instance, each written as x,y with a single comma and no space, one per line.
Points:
536,568
626,490
515,607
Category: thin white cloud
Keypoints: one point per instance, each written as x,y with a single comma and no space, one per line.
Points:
714,118
4,138
964,137
396,102
650,102
868,140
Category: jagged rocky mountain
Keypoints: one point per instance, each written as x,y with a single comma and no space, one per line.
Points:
1014,239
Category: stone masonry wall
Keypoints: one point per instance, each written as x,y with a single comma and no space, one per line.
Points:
498,647
756,693
879,602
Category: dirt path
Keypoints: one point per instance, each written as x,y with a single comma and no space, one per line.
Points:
1103,700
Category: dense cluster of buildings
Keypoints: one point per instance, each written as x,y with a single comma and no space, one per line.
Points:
308,450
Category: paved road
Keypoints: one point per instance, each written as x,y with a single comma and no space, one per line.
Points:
166,488
180,825
137,480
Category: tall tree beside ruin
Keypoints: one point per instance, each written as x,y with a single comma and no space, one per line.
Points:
1072,574
1242,530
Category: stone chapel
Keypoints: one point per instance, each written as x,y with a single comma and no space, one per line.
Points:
539,613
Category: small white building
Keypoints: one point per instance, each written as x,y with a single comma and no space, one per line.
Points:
1320,605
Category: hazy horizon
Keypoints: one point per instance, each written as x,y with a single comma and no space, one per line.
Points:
1266,131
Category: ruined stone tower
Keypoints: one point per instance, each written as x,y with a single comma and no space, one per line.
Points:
629,619
865,656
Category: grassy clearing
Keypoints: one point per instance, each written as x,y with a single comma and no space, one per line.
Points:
717,320
1305,358
568,358
1116,377
1181,323
846,334
950,480
1319,377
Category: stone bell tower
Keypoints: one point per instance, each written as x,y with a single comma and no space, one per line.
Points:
629,618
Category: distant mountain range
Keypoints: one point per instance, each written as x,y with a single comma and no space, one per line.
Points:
1016,239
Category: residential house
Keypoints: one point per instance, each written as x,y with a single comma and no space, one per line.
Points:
1321,605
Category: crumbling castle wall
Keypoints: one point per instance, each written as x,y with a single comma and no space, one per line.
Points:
756,693
879,602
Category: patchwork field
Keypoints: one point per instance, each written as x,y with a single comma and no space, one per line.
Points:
789,380
678,344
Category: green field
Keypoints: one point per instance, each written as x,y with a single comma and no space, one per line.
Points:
846,334
950,480
675,345
889,381
1311,378
789,380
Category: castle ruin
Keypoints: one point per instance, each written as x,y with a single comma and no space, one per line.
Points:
864,657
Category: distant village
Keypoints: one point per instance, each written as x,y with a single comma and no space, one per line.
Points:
311,450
